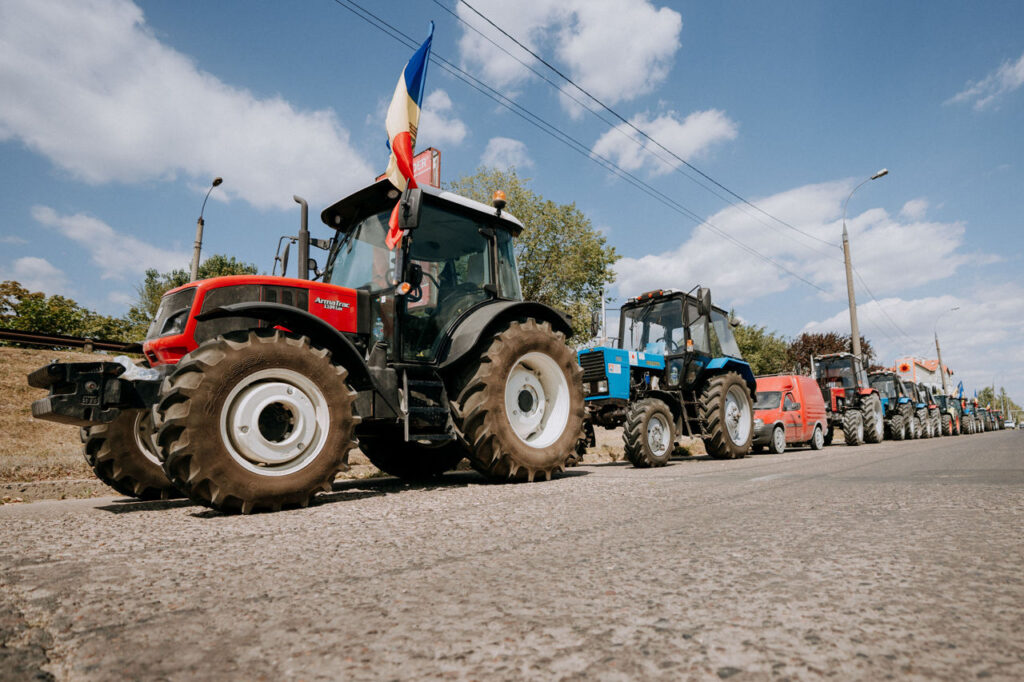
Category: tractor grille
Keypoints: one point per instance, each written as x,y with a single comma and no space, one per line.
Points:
593,366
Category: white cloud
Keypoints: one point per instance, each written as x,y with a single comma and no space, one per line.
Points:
36,274
115,253
914,209
981,340
13,239
984,93
87,84
437,125
504,153
889,253
615,49
687,138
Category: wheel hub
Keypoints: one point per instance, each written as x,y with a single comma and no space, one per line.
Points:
537,399
737,416
657,435
275,421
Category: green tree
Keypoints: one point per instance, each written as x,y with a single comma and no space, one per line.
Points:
803,347
766,352
156,284
563,261
996,399
34,311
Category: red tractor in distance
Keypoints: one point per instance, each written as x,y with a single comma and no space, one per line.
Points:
254,388
850,401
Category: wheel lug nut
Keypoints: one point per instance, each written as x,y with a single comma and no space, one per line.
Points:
244,429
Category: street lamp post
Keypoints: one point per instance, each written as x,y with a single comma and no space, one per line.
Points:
198,246
854,329
938,351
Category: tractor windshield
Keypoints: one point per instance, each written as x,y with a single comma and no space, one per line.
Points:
654,327
885,385
836,372
361,260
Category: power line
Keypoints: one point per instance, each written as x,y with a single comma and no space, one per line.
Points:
632,126
562,136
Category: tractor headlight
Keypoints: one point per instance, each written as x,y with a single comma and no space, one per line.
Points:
586,388
602,386
175,324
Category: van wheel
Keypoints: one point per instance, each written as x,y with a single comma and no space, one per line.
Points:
818,439
777,444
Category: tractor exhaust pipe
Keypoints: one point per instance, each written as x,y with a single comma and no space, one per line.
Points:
303,269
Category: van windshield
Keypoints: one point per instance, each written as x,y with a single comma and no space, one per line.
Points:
768,400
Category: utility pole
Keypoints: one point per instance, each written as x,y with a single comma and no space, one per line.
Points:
854,328
938,351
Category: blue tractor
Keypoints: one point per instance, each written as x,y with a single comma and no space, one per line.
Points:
675,370
898,411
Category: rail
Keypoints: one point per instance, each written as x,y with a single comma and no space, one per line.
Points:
57,340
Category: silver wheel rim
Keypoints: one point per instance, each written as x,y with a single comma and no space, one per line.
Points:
275,422
879,421
779,439
819,438
737,415
860,431
657,435
537,400
144,434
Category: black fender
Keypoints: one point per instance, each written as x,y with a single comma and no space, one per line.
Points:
488,318
301,322
669,398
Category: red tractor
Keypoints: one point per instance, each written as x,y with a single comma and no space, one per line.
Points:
254,388
850,401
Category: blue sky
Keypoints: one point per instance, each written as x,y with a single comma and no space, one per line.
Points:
116,115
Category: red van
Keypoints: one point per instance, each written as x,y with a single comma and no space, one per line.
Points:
789,411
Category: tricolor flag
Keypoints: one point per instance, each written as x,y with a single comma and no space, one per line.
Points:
402,121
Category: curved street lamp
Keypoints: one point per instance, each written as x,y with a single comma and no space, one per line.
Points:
198,246
854,329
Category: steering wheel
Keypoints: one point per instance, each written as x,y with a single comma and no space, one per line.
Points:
670,345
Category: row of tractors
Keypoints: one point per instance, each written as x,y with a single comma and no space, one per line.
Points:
413,343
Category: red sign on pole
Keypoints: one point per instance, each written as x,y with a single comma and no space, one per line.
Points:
426,168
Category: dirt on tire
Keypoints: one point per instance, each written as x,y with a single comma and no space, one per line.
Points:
496,450
191,410
718,443
119,456
636,445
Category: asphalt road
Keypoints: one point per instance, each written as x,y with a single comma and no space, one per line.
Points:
897,560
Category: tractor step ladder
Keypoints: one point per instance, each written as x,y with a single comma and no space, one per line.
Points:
426,413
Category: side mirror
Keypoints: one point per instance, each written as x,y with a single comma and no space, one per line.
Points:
704,301
733,320
409,208
595,323
284,258
311,264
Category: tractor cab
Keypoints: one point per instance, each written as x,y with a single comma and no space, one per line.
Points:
458,256
890,388
840,376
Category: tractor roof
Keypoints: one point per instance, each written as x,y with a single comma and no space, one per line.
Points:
382,195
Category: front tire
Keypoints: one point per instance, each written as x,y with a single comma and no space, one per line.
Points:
897,428
649,435
123,456
777,444
727,413
256,420
947,425
853,427
521,409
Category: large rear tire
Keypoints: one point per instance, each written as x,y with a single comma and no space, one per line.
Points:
727,413
255,421
521,408
924,424
897,428
411,461
648,437
123,456
947,425
853,427
874,424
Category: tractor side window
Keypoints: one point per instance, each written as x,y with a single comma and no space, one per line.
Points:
698,329
723,337
508,274
789,405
